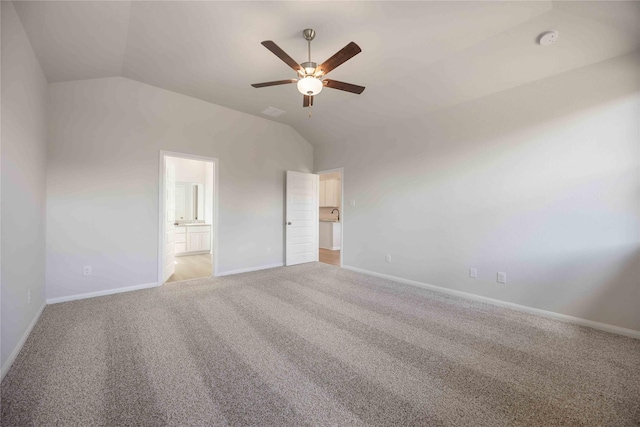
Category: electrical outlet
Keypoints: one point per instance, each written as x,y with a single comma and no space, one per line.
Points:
268,249
473,273
502,277
86,270
28,296
352,202
387,258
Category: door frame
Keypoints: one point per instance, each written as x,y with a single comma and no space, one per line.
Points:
342,216
161,196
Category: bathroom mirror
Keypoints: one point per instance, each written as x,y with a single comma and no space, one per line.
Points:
189,201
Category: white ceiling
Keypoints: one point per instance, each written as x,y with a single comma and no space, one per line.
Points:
416,57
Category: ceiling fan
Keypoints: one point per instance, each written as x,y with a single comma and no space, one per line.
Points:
311,76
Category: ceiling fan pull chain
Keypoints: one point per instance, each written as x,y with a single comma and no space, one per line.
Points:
309,109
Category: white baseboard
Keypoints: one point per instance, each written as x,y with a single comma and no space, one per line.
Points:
550,314
331,248
247,270
101,293
16,351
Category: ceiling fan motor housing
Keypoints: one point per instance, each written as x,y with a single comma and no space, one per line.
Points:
309,68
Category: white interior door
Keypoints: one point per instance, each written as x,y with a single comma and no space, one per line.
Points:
170,218
302,218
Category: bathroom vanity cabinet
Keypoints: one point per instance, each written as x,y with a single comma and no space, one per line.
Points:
193,239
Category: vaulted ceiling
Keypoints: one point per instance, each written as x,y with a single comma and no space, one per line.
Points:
416,57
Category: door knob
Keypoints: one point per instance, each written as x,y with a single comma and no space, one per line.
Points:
288,223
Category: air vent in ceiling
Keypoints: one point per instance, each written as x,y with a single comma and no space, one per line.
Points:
273,112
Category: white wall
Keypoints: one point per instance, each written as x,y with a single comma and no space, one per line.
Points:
105,138
540,181
24,132
188,170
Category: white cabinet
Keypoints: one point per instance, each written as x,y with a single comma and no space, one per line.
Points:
181,240
333,193
192,239
330,234
330,193
198,238
323,198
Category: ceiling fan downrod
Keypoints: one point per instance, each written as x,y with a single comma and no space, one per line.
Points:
309,34
308,68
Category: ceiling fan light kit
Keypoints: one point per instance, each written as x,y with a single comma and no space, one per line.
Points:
310,85
310,81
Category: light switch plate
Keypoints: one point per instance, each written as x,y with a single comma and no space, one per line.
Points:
502,277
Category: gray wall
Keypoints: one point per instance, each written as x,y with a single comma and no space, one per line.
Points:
102,180
541,181
24,133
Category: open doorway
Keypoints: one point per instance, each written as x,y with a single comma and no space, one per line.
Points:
331,217
188,217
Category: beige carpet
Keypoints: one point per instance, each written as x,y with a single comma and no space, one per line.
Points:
314,345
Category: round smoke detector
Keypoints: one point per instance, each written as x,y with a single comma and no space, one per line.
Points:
548,38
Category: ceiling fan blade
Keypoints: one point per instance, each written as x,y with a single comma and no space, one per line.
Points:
282,55
342,56
348,87
306,100
278,82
